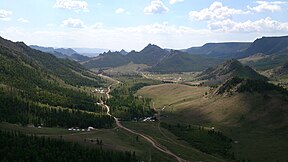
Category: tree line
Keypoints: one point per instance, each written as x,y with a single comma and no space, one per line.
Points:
125,105
207,140
15,146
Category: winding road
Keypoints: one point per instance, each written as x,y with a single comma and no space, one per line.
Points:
154,143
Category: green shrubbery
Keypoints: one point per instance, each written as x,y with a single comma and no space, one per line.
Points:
208,141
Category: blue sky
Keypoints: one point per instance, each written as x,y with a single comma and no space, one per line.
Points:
132,24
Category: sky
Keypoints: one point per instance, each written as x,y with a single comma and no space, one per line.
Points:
132,24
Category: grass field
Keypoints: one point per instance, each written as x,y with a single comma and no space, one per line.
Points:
130,68
258,124
172,94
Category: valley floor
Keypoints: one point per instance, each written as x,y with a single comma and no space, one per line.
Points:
179,106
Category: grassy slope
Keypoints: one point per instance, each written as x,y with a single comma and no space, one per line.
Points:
130,68
255,121
174,93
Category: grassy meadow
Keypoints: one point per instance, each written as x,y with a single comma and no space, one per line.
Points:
257,125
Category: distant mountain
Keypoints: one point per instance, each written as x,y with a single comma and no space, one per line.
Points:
219,49
79,58
123,52
262,54
229,50
267,46
178,61
43,49
150,55
58,52
229,69
160,60
107,60
68,53
90,52
274,50
50,50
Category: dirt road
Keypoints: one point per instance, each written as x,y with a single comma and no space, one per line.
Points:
154,143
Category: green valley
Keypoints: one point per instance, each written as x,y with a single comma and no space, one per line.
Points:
167,106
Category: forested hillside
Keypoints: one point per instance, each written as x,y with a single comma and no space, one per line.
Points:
37,88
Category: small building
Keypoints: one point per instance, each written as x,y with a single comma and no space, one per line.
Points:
90,128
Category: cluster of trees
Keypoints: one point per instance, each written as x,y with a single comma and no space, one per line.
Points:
127,106
260,86
138,86
251,85
206,140
18,147
14,109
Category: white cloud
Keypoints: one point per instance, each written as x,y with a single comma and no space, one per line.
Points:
156,7
161,28
133,37
121,11
215,11
136,37
267,6
175,1
4,14
73,23
23,20
76,5
263,25
98,25
50,25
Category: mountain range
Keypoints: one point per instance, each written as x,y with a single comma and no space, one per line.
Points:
68,53
264,45
158,59
219,49
271,52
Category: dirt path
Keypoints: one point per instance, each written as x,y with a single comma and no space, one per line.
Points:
154,143
170,139
159,127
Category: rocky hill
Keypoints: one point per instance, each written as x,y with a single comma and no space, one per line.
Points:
229,69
